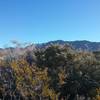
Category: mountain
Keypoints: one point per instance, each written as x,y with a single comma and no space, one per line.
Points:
78,45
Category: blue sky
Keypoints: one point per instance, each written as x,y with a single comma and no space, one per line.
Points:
44,20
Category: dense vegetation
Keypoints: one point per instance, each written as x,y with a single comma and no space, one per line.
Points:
56,72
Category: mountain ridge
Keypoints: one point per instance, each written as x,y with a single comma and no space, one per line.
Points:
78,44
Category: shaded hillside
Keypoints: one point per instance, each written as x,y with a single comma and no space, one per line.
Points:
78,45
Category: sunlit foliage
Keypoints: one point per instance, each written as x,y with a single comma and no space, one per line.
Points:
52,73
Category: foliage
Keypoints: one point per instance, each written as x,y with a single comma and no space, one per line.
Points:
55,72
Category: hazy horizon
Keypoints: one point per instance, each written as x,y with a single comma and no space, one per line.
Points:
15,43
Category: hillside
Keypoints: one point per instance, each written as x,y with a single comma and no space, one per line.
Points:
78,45
50,72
